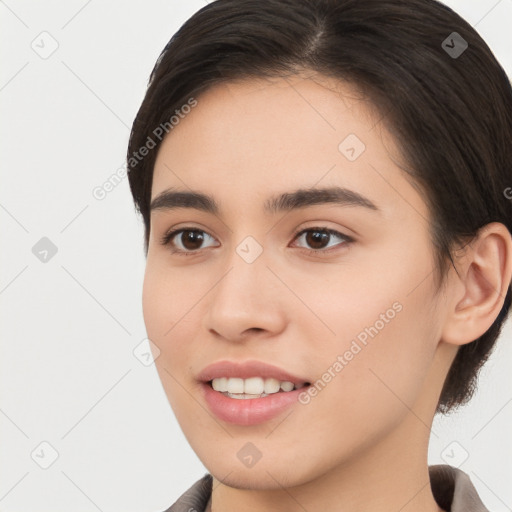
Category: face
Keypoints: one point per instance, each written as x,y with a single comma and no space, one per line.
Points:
263,286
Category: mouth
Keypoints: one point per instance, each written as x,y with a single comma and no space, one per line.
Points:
249,393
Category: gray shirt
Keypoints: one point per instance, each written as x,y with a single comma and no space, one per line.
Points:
451,487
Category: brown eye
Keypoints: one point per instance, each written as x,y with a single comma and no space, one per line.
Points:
317,239
186,240
191,240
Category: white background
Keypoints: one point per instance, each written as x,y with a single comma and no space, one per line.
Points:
69,326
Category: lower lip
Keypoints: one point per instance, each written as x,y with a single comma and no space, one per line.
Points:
249,411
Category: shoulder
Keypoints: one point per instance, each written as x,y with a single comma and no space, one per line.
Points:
195,498
453,490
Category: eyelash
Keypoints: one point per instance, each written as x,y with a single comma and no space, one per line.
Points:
347,240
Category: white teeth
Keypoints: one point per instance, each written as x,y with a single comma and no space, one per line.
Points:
253,386
220,384
272,386
235,386
286,386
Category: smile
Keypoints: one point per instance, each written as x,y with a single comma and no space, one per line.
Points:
253,387
249,393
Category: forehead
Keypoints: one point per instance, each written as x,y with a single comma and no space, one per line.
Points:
258,137
271,115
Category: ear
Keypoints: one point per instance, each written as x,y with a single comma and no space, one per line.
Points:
477,296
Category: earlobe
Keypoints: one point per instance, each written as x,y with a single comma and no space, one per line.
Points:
485,272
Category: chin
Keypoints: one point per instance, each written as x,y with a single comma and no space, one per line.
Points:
268,473
271,478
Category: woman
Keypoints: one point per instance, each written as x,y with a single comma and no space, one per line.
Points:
323,185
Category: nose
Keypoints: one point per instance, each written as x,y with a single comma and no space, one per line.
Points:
246,302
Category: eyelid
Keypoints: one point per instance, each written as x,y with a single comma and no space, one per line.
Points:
347,239
172,232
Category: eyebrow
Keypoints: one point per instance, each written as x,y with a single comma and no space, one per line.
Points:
171,199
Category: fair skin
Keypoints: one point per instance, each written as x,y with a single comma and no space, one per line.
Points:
361,443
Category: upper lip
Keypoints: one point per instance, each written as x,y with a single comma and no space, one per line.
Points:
247,369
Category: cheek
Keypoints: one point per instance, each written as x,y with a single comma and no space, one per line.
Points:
153,304
375,384
171,315
165,302
384,339
166,298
